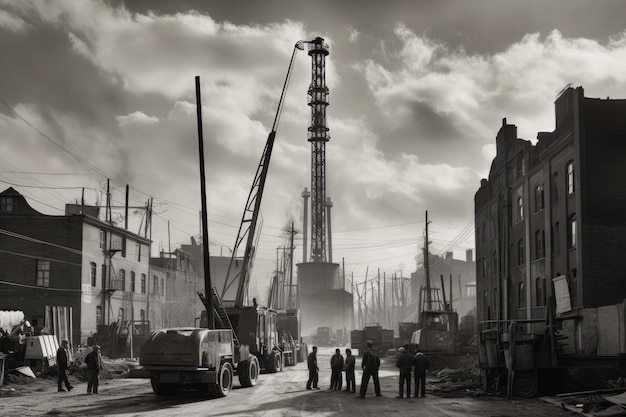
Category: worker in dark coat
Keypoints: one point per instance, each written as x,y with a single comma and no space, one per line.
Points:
311,361
370,366
349,368
336,366
421,365
94,366
405,363
63,355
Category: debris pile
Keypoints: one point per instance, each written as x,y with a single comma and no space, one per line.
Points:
456,382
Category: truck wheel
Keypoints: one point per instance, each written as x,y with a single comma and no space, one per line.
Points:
249,372
275,363
525,383
163,389
225,381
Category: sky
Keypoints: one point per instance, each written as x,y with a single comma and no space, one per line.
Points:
97,90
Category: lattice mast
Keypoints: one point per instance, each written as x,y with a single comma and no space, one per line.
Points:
318,136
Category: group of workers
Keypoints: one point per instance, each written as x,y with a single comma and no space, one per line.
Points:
93,360
370,366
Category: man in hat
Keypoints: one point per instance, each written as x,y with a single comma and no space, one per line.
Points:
94,366
336,366
63,355
370,366
349,368
421,365
404,362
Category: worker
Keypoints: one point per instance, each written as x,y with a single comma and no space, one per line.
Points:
404,362
63,355
311,362
421,365
94,366
336,366
370,366
349,368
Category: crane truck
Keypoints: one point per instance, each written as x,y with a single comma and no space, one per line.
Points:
209,357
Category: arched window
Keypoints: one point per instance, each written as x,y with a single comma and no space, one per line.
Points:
92,273
571,231
143,283
539,202
571,186
521,299
540,237
520,209
132,281
540,291
122,280
521,252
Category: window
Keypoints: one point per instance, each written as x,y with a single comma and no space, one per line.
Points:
142,315
143,283
521,165
520,209
123,246
540,291
162,286
132,281
540,237
555,187
571,232
570,177
92,273
103,239
485,307
99,315
483,265
8,203
539,202
521,253
122,280
120,315
43,273
104,276
155,284
470,290
521,299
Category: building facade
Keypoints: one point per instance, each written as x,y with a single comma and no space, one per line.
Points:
95,269
549,220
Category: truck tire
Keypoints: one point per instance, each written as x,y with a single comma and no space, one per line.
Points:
163,389
275,362
225,381
248,372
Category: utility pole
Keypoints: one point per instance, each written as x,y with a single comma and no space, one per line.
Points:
427,267
291,248
379,305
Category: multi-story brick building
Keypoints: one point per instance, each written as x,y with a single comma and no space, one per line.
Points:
553,213
94,268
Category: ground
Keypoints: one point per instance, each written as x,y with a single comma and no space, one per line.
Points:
280,394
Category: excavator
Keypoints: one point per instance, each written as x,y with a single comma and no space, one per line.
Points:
236,338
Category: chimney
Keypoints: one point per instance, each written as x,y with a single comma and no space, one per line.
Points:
469,256
448,257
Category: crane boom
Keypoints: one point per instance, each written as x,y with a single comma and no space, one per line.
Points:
247,228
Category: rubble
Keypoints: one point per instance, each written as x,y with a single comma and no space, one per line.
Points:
456,382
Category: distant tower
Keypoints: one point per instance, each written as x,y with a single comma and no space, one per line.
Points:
318,136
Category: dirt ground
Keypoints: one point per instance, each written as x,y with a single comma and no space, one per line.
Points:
280,394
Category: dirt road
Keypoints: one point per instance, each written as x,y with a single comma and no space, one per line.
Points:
281,394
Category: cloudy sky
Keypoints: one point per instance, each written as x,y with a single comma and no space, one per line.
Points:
91,90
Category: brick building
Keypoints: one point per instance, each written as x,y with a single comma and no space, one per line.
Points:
74,261
552,214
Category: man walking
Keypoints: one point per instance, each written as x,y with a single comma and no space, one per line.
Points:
336,366
404,362
370,366
62,364
311,361
349,368
94,366
421,365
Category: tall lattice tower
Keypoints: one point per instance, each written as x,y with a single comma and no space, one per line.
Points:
318,136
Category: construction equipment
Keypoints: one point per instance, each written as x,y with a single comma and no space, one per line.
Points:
381,339
239,339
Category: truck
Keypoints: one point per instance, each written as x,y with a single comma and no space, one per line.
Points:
289,335
382,339
437,332
205,359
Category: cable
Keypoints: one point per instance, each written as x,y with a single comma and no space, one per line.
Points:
15,284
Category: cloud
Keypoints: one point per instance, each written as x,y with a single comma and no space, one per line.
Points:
353,34
137,117
11,22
